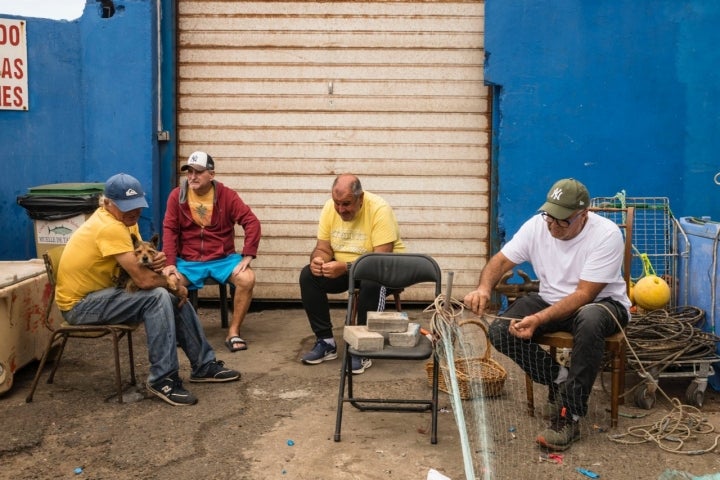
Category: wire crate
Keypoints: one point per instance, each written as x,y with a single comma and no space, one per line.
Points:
655,233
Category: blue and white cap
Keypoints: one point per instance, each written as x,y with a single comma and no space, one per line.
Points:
126,192
199,161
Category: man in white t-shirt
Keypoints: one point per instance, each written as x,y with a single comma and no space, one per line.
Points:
577,256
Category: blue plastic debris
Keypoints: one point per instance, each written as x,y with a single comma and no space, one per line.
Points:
587,473
290,443
78,470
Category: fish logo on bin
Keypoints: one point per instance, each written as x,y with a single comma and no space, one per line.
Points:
60,230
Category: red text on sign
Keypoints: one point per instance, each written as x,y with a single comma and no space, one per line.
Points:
12,68
11,96
10,34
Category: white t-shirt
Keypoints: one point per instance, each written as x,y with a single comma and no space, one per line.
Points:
595,255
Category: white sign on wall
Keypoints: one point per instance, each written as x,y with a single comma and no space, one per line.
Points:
13,65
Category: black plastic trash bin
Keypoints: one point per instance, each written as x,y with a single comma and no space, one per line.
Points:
58,210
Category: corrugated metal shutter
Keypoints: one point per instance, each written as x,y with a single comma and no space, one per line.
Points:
285,95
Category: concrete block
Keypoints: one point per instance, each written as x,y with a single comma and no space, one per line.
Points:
358,337
405,339
387,322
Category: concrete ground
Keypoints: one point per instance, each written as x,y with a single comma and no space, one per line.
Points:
278,421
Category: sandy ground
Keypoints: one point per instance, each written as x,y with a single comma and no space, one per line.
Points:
278,421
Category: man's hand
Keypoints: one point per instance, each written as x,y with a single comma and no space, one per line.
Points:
158,263
477,301
242,266
524,328
170,270
331,269
316,266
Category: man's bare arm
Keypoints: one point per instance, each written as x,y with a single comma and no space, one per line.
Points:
322,250
479,298
384,248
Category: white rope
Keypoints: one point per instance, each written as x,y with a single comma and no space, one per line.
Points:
444,327
381,300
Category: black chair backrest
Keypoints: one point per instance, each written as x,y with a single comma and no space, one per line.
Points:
396,270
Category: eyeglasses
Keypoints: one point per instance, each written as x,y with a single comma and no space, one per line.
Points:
549,219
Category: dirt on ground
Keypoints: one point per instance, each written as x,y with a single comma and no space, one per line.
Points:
278,421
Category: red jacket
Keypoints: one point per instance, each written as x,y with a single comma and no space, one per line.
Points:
184,238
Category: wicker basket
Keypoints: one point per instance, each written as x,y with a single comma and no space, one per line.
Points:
477,376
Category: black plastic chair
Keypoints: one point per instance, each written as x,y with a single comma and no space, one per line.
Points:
394,271
223,297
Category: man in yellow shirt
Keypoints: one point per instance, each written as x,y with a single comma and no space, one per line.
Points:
86,293
352,222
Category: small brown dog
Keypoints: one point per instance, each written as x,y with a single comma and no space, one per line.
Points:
145,252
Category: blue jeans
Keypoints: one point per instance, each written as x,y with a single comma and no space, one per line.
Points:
166,326
589,327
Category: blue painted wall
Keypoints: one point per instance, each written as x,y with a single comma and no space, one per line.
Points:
623,95
93,87
619,94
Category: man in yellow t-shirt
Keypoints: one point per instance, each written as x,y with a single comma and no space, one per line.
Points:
352,222
86,293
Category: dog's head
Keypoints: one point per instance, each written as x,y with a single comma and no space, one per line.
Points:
145,252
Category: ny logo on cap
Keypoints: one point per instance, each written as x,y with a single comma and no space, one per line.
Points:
556,194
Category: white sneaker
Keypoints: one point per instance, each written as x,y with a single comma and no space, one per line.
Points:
359,364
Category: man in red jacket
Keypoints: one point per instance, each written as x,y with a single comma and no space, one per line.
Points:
199,238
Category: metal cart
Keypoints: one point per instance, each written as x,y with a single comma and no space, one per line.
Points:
669,344
660,348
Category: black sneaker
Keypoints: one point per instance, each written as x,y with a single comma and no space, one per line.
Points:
171,390
217,372
561,433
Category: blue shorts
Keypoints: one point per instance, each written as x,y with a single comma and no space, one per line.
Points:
197,272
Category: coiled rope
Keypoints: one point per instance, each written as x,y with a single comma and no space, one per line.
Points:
670,432
656,341
660,338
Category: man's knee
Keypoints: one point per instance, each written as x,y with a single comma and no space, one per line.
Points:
305,275
244,281
595,320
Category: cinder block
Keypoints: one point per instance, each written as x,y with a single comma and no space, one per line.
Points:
387,322
405,339
360,338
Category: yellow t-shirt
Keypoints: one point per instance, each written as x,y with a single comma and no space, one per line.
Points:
374,225
88,262
201,206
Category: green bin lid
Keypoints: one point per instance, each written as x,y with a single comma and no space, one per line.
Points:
67,189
